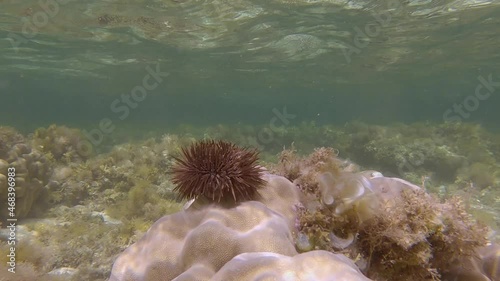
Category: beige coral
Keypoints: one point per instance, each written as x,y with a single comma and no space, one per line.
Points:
484,266
310,266
206,238
196,243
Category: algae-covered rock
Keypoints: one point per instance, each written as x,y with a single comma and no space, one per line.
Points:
31,170
392,227
32,258
63,143
443,151
34,159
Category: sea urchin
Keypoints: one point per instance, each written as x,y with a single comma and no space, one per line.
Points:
218,171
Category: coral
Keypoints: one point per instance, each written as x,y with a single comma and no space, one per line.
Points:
217,170
9,137
202,239
484,266
281,196
303,171
35,160
353,195
32,171
489,258
209,237
310,266
63,143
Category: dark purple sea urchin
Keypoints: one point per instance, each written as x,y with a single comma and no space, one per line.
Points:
218,171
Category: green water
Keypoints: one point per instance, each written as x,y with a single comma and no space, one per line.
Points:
375,80
234,61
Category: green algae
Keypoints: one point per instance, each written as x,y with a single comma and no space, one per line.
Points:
62,143
144,202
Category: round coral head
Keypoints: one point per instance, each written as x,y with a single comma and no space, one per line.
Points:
218,171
